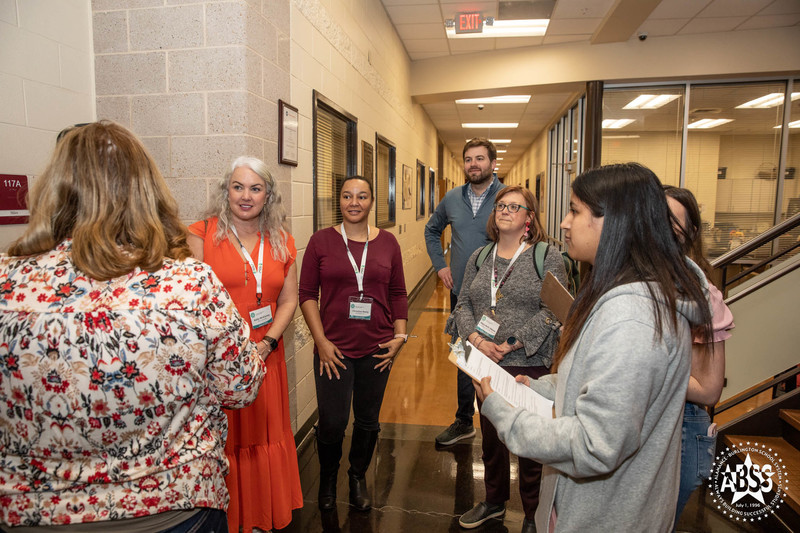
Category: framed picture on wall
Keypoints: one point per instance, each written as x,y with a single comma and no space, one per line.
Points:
408,183
431,191
420,189
288,120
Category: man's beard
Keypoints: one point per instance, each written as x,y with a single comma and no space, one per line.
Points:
483,177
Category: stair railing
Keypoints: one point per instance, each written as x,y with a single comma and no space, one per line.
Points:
724,261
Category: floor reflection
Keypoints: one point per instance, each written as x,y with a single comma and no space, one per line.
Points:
417,487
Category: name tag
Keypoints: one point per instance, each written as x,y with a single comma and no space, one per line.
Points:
487,327
261,316
360,308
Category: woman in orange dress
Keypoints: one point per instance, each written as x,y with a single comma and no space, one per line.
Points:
242,236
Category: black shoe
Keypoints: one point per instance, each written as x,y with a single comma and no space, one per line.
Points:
457,431
359,495
480,514
327,492
528,526
329,455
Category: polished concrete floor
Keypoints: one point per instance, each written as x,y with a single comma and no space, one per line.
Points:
417,487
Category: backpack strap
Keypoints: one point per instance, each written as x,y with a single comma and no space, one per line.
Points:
539,255
482,255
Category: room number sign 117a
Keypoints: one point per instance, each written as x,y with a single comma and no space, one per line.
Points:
13,199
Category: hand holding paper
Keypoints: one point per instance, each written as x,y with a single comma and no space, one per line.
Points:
475,364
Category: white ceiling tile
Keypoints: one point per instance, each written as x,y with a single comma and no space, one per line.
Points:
677,9
426,45
414,14
770,21
572,26
711,25
663,27
420,31
781,7
487,9
409,2
460,46
733,8
573,9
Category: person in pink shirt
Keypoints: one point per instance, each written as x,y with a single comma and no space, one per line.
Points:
698,439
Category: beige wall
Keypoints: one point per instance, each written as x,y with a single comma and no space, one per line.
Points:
46,83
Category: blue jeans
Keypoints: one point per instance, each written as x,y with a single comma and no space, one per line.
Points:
466,391
697,453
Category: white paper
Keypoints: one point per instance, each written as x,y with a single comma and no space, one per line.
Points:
478,366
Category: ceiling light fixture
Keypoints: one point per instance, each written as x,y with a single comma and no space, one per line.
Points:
708,123
764,102
616,123
501,28
502,151
501,141
506,99
793,124
651,101
490,124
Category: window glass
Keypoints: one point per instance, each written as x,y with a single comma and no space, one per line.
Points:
334,160
420,189
732,156
644,124
385,182
790,205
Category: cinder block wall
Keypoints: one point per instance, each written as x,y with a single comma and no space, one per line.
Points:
199,82
46,83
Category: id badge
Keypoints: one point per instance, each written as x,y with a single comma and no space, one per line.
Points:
487,327
261,316
360,308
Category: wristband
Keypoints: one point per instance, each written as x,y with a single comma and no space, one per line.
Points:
272,343
403,336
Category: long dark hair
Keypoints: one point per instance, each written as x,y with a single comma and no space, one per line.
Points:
636,244
691,236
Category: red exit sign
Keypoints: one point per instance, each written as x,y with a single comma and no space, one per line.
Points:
469,23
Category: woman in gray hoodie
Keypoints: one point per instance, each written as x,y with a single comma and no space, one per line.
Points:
611,453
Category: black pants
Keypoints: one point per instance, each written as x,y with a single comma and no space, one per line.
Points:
361,382
465,389
497,465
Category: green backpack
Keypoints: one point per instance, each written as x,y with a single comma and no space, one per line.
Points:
539,254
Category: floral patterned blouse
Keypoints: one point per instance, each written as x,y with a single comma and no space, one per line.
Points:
111,393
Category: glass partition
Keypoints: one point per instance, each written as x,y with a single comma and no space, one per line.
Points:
732,157
645,125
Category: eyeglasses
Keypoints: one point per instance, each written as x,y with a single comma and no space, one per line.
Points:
512,208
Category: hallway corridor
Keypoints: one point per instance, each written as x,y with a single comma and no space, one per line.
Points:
417,487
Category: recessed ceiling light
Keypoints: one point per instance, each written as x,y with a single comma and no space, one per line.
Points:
793,124
708,123
490,124
501,141
507,99
502,151
615,124
620,136
764,102
651,101
502,28
499,159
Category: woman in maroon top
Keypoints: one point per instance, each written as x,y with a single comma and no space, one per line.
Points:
357,273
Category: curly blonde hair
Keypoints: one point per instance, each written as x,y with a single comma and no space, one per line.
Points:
272,216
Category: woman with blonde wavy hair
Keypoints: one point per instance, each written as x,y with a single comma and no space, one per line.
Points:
244,241
117,352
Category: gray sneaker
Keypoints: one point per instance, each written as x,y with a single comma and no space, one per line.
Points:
457,431
481,513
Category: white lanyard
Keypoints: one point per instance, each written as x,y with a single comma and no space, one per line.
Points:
359,273
246,254
495,284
